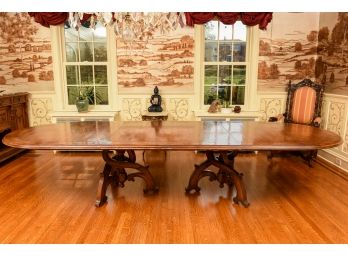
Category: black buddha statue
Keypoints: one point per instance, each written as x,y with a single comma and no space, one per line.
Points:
155,101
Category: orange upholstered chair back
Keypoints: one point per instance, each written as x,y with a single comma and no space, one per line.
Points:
303,102
303,105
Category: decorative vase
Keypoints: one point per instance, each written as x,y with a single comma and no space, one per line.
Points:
82,105
237,109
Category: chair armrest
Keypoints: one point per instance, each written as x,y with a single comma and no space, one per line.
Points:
278,118
317,122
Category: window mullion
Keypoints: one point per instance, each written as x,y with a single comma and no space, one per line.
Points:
217,82
86,70
228,67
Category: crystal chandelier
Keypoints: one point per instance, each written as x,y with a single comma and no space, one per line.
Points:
131,26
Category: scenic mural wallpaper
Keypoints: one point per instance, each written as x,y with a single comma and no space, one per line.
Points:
332,64
165,61
287,50
294,46
25,54
291,49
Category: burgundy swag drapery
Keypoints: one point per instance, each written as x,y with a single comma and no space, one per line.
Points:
49,18
247,18
54,18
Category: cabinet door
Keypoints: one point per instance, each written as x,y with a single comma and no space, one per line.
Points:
5,116
20,117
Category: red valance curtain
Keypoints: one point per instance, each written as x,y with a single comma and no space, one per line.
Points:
54,18
247,18
49,18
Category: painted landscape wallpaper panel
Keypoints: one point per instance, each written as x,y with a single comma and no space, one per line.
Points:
165,61
332,65
25,54
287,50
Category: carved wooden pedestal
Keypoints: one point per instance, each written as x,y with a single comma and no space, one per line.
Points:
226,174
115,173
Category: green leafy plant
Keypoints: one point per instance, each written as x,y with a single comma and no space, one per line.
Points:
225,104
88,93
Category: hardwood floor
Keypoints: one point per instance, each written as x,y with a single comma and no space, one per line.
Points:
49,198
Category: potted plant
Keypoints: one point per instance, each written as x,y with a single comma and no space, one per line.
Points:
226,107
82,101
85,97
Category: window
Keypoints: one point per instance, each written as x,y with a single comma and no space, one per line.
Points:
225,62
86,65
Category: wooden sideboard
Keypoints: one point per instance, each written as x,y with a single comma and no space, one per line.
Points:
13,115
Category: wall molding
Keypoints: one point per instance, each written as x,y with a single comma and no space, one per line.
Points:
331,157
344,97
332,167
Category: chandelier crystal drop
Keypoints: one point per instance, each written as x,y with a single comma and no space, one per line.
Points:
131,26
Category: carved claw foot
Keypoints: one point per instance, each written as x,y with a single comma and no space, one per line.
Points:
100,202
245,203
148,191
189,189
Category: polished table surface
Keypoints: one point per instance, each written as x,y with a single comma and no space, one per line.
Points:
221,140
173,135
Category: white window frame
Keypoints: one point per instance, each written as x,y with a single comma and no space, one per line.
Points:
60,101
251,61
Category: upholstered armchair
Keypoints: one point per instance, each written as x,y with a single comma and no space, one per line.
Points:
303,106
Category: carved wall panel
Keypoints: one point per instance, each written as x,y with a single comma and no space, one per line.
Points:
335,117
179,109
324,114
345,143
131,108
41,109
270,107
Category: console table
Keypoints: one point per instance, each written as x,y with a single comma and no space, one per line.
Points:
154,115
221,140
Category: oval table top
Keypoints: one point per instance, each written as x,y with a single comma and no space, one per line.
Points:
173,135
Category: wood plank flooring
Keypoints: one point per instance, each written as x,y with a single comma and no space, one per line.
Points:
49,198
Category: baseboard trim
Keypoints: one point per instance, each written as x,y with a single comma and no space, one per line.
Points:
332,167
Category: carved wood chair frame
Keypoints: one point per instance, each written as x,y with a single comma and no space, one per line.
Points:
310,155
319,90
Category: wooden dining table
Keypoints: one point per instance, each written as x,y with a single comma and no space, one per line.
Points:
220,140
